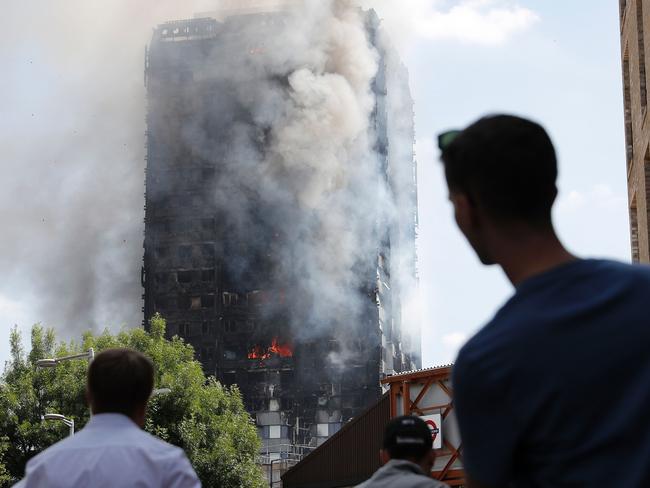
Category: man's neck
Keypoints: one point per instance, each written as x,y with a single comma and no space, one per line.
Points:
526,254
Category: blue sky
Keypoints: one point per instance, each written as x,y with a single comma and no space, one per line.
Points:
556,62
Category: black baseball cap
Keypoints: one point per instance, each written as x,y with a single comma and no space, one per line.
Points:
407,435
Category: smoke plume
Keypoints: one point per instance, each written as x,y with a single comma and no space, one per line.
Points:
297,134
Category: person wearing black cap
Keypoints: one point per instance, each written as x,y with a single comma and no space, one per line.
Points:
407,456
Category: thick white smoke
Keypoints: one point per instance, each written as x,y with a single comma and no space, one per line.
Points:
73,156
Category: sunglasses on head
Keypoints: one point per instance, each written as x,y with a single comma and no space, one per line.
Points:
446,138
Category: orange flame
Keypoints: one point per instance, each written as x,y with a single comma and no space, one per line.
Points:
275,349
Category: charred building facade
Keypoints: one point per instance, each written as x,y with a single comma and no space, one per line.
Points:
280,213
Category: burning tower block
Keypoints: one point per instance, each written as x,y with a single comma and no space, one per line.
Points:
281,211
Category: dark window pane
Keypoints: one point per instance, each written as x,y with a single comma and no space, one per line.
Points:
184,252
184,302
207,275
184,276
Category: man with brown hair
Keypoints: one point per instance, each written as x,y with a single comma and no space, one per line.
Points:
113,450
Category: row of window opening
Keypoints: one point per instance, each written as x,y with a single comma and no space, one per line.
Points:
187,329
189,302
186,252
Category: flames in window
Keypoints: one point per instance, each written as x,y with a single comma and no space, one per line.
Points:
276,348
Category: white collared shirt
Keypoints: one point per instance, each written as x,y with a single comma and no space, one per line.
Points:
111,451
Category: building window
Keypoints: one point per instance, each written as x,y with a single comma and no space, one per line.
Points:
195,200
184,329
646,170
230,326
207,224
163,303
184,252
229,378
230,299
275,431
208,173
195,303
207,301
629,142
207,275
634,231
642,77
322,430
208,251
204,327
184,276
162,278
184,302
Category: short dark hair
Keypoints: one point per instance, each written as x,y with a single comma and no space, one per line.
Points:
407,437
120,380
507,165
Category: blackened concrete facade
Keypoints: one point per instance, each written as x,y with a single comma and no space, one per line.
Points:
221,293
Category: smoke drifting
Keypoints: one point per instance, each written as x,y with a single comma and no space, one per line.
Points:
73,194
73,158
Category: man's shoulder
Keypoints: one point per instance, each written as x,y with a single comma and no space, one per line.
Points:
409,480
393,475
519,326
52,451
618,269
154,444
504,328
128,450
493,342
584,276
131,439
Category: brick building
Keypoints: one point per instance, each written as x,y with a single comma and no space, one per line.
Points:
635,35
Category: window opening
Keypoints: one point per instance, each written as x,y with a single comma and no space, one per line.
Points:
642,75
184,276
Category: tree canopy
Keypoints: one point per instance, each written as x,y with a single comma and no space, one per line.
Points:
205,418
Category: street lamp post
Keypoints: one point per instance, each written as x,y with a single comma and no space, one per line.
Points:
53,362
271,482
61,418
160,391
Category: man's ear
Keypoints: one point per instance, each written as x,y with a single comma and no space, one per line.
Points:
464,210
384,456
432,457
140,414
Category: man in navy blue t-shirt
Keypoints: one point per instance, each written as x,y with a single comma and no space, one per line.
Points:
555,390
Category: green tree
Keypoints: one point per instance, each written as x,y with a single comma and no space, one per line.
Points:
200,415
5,478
